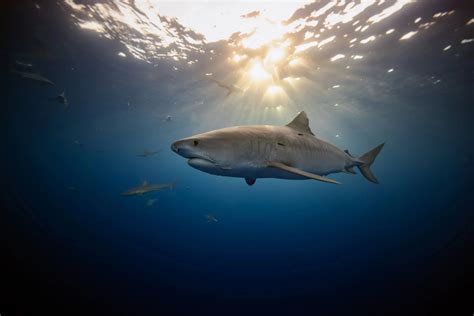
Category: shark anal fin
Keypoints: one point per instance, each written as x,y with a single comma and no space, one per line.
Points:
300,172
250,181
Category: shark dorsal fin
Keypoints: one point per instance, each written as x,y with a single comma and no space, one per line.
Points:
301,123
144,183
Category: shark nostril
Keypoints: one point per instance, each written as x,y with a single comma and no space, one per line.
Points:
174,148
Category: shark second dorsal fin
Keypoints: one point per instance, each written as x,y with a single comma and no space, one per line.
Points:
301,123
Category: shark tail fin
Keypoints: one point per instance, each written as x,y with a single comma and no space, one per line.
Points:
172,185
366,160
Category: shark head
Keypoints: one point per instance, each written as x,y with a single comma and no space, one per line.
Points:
210,152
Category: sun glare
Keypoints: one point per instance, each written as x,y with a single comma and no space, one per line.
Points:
258,73
274,90
275,54
237,58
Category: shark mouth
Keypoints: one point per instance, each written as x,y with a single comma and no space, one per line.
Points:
201,157
201,162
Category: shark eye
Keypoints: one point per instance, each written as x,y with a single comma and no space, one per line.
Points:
195,142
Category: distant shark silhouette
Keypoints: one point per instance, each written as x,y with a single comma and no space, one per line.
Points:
33,76
229,87
263,151
61,99
146,187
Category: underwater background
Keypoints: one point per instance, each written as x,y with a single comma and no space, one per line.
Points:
71,243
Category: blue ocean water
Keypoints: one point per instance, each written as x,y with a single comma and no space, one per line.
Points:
279,246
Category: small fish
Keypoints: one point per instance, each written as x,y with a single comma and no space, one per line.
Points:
146,187
150,202
167,118
229,87
147,153
211,218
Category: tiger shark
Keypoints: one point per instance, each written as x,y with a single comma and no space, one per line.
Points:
264,151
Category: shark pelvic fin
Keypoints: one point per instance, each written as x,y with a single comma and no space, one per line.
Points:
349,170
250,181
301,123
300,172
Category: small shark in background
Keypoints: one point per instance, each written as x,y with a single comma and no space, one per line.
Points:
211,218
61,99
33,76
264,151
147,153
229,87
146,187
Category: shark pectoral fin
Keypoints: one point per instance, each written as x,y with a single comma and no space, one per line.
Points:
250,181
300,172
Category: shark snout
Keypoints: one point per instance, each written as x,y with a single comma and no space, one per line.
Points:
174,147
192,149
180,147
186,148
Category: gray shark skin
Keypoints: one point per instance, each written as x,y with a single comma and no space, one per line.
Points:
264,151
146,187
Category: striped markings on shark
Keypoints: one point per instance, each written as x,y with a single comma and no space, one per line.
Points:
289,152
